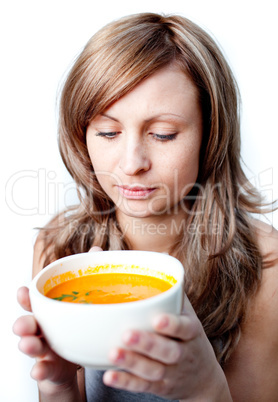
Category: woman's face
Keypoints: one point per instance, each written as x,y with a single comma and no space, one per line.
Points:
145,147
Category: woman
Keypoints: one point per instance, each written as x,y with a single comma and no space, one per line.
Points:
149,130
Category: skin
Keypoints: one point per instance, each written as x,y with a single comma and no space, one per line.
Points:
151,137
176,361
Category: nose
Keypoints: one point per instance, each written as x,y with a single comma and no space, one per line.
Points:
134,158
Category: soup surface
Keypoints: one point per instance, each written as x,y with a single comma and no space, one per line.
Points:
108,288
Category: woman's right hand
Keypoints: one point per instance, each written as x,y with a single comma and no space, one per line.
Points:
53,374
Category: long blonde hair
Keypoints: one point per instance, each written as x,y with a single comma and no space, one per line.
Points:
223,266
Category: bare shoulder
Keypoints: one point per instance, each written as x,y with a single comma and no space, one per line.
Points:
267,296
263,307
267,238
252,370
38,254
42,246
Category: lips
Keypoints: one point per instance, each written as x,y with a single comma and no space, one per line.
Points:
136,192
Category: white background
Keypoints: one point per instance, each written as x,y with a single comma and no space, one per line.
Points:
39,40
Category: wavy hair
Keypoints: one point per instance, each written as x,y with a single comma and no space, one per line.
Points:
223,266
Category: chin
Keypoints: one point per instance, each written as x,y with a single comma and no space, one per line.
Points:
136,214
144,209
143,213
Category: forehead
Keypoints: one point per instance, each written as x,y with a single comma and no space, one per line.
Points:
168,91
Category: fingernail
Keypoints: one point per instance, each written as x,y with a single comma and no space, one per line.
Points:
161,322
131,338
110,378
117,355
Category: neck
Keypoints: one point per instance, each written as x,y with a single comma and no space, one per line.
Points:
155,233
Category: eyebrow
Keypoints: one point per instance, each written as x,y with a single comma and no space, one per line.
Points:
161,115
109,117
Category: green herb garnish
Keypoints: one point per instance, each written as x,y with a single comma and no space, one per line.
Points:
66,296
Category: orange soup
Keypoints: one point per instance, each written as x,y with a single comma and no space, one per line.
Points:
108,288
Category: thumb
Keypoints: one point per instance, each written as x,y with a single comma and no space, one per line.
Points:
23,298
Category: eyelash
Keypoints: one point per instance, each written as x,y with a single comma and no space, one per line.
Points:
110,136
164,137
157,137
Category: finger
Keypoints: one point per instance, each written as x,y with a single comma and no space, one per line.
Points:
95,248
23,298
129,382
26,325
137,364
183,327
58,371
153,345
45,370
33,346
42,370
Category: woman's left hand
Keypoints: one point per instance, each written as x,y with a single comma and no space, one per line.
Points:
175,362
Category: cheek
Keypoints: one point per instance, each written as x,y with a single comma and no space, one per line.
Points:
98,167
186,172
96,159
102,157
187,163
93,150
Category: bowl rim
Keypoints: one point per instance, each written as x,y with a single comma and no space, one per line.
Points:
34,291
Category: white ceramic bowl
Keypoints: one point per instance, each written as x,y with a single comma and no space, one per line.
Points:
85,333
